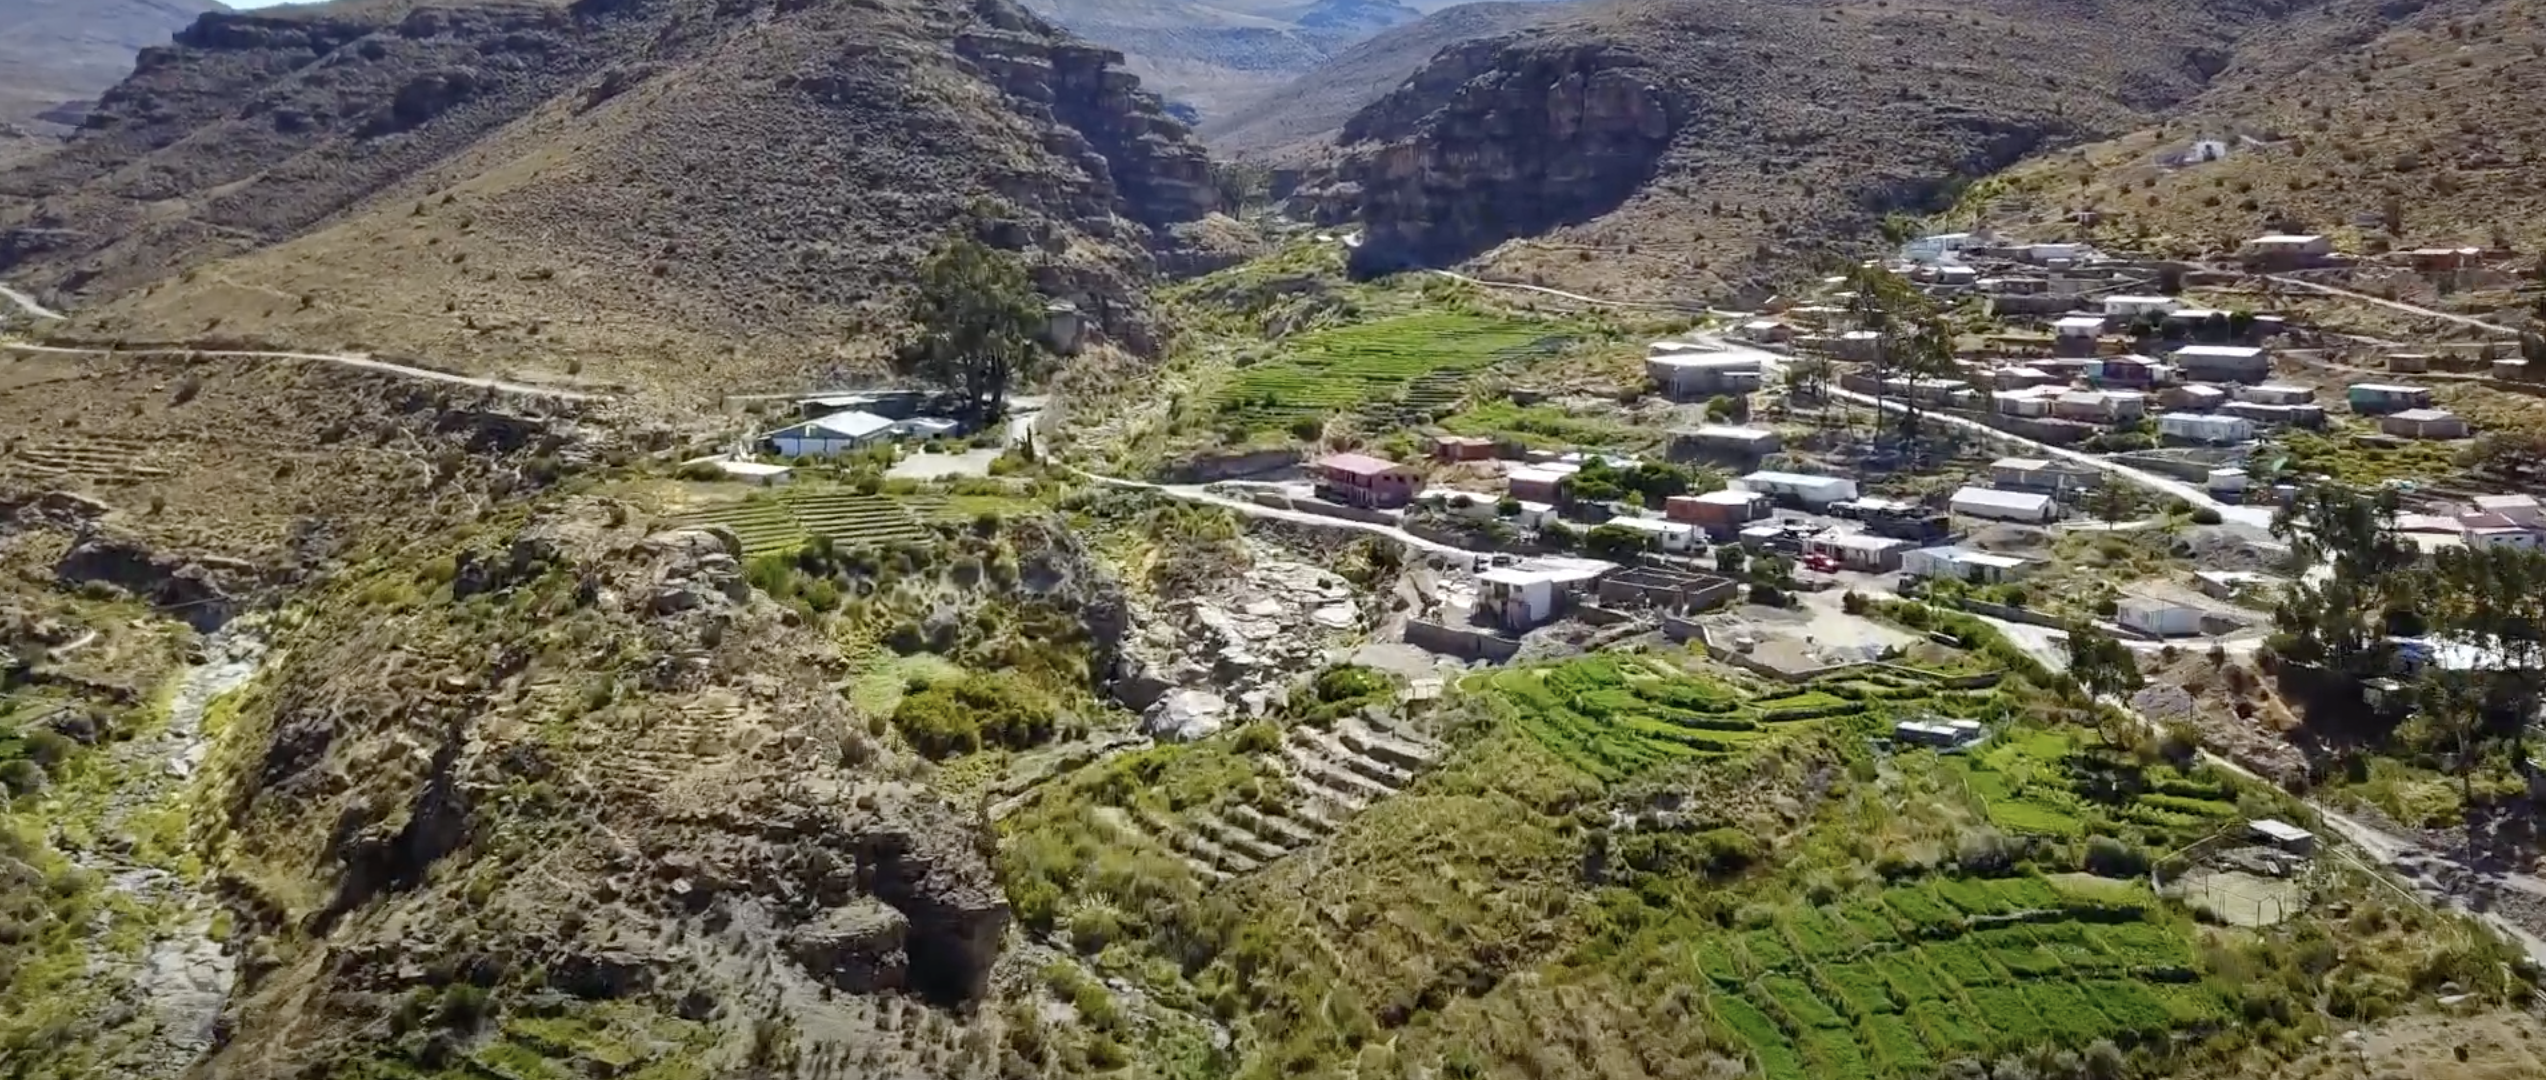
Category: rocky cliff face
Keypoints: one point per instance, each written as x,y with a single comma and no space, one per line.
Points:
1686,143
771,167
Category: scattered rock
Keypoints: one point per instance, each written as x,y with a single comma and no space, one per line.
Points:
1187,715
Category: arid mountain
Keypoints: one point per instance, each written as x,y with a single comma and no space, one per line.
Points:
1206,58
709,193
2364,108
55,55
1683,144
1293,121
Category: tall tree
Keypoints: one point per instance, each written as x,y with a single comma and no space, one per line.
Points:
1886,304
2100,663
977,325
2338,617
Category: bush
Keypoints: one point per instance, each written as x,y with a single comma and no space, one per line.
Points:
2108,857
1767,596
1854,603
947,719
2205,515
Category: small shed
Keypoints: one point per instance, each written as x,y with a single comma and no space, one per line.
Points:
2283,835
1998,505
837,433
2374,399
1806,489
2079,326
2202,428
2157,618
2222,363
2424,424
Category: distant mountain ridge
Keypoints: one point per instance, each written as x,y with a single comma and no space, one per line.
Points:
54,52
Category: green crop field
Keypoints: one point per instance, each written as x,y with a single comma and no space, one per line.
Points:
1409,363
2043,784
1615,715
1949,967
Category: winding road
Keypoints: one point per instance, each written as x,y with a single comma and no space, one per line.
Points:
351,360
28,303
1196,493
2393,305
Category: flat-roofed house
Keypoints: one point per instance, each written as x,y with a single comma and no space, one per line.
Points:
2379,399
2222,363
1365,481
1999,505
2424,424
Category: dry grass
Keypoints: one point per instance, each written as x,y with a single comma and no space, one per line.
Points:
551,192
2430,111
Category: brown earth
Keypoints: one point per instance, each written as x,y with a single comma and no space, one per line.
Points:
2422,108
676,193
1685,144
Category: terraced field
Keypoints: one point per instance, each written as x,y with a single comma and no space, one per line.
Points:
1615,715
1946,968
87,458
783,523
1315,780
1410,367
2039,784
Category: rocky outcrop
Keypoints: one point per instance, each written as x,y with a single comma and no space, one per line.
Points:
203,592
1494,140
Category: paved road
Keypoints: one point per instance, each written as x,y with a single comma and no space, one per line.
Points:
2394,305
28,303
352,360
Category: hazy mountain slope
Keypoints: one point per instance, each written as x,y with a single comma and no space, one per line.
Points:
1681,144
57,51
631,183
1208,57
2425,107
1291,121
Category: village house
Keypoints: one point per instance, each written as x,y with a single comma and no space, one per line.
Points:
1855,346
2157,618
2424,424
1963,564
1860,551
1663,534
1997,505
2015,285
1800,489
2041,474
2100,406
2192,397
1766,331
2089,327
2284,251
2231,584
1942,247
2032,401
2482,530
2222,363
2408,363
1726,439
2206,429
2057,254
1532,594
2226,481
2020,376
2298,416
1463,448
1690,375
2199,324
1718,512
2127,308
835,433
1536,484
1895,518
2443,260
1365,481
2378,399
2523,509
2277,394
2131,372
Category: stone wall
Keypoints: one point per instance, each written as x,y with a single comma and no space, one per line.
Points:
1461,641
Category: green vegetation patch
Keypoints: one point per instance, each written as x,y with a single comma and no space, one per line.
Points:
1419,360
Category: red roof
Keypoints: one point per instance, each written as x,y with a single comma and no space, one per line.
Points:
1355,464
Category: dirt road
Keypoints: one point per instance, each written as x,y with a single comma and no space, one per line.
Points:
1197,494
2395,305
352,360
27,303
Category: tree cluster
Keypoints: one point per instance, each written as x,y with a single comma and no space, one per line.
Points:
977,324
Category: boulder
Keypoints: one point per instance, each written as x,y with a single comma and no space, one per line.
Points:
1187,715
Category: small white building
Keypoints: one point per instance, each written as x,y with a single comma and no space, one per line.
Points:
2132,307
1810,490
838,433
2288,248
1697,374
1666,535
2157,618
1997,505
1520,597
2041,474
2031,401
2205,428
2282,835
2424,424
1727,439
2078,326
1859,551
2222,363
2228,480
2521,509
2277,394
1963,564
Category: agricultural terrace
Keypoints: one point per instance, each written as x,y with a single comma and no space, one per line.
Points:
1623,854
851,519
1400,369
1616,715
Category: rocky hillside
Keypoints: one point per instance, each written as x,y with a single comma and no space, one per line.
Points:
1685,143
1208,58
637,184
1295,121
59,54
2360,108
